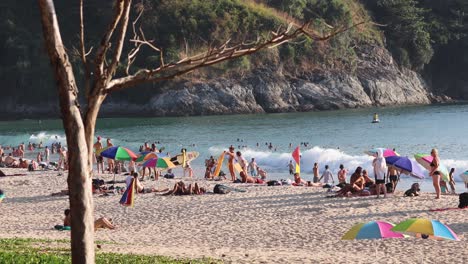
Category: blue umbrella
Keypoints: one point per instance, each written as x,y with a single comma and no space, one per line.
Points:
408,166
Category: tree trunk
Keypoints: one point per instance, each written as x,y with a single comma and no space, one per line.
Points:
94,104
79,182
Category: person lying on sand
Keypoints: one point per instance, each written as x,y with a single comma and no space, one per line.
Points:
180,189
139,186
98,224
298,181
249,179
11,162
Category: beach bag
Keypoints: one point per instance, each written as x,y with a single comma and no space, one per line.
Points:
389,187
463,200
221,189
273,183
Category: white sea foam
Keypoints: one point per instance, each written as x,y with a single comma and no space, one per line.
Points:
275,161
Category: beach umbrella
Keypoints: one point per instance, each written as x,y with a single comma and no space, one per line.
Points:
425,160
146,155
371,230
118,153
426,228
163,163
464,176
128,196
386,152
406,165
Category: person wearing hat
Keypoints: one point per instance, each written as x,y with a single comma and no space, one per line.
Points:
99,160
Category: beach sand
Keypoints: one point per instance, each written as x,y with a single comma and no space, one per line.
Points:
281,224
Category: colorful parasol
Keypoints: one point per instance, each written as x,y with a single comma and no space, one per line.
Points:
372,230
164,163
118,153
128,196
386,152
406,165
425,160
146,155
426,228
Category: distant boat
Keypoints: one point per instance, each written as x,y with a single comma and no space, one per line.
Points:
375,119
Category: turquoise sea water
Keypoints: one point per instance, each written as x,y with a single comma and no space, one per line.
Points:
334,137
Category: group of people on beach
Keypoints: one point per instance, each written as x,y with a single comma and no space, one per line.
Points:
16,156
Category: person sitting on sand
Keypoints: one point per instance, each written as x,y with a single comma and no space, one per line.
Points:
413,191
23,164
99,223
355,185
11,162
248,179
262,173
298,181
342,176
180,189
368,181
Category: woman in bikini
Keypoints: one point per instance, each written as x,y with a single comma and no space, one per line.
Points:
435,172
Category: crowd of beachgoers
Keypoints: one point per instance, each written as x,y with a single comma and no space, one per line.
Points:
297,214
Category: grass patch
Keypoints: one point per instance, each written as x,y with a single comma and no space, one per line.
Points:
29,251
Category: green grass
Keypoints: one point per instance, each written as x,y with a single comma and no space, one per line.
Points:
29,251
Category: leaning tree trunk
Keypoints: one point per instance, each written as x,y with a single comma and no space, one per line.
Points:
94,104
79,182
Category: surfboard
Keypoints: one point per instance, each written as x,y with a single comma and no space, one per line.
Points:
219,165
237,167
178,160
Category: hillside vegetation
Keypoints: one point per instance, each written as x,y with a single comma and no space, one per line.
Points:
424,35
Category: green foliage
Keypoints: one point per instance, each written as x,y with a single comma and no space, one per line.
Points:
32,251
406,30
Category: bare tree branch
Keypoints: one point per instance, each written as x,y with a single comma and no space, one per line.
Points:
84,54
120,40
104,45
216,55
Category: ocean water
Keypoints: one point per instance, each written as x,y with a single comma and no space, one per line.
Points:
333,137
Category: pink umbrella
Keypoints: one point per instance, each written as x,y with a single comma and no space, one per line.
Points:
386,152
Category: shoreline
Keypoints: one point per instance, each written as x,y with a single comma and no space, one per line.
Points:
105,114
283,224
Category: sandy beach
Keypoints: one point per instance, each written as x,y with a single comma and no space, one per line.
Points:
282,224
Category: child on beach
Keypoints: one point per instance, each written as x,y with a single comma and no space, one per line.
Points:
452,181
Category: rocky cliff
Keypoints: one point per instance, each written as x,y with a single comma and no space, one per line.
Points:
377,81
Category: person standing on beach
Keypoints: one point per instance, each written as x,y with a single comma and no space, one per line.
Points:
231,162
380,168
99,159
253,167
452,181
327,175
46,154
110,162
291,167
242,161
435,172
393,176
316,173
342,176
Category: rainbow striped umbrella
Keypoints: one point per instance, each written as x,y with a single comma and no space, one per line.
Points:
372,230
128,197
425,160
118,153
427,228
164,163
146,155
